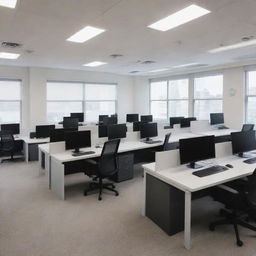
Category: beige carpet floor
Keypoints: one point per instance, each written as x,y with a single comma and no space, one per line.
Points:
33,222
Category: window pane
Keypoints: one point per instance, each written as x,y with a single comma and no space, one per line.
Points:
203,108
251,82
56,110
100,92
178,108
158,90
251,113
10,90
64,91
9,112
178,89
159,109
208,87
94,109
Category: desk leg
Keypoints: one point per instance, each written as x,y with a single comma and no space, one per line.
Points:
187,221
143,210
40,159
58,179
25,149
48,167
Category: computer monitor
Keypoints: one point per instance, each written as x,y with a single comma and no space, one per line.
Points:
80,116
136,126
102,131
101,118
175,120
130,118
146,118
243,142
78,139
43,131
13,128
70,122
216,118
196,149
110,120
148,130
185,122
57,135
117,131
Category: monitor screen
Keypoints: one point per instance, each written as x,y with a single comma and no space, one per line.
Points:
117,131
78,139
136,126
196,149
148,130
57,135
175,120
70,122
43,131
217,118
130,118
146,118
102,131
101,117
110,120
80,116
185,122
243,141
13,128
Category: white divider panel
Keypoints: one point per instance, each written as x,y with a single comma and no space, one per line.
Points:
132,136
223,149
167,159
200,126
56,147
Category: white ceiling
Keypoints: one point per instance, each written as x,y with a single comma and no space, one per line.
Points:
44,25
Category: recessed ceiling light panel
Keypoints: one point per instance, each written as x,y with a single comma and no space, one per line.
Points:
8,55
8,3
176,19
158,70
186,65
95,64
85,34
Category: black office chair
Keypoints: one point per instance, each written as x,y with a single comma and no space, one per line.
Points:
7,145
166,142
104,168
247,127
240,206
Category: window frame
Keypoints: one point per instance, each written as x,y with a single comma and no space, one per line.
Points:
83,101
247,95
18,101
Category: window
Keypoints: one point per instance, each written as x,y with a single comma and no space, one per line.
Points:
10,101
208,93
169,98
251,97
92,99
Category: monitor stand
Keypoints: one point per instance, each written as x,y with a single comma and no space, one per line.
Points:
77,151
194,165
246,155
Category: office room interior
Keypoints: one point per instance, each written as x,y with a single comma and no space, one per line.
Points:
127,127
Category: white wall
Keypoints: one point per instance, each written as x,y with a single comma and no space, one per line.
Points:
233,106
34,90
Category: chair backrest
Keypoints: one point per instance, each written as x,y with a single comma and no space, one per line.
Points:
247,127
108,159
166,141
251,196
7,141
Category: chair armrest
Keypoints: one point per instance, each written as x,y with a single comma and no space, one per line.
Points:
229,189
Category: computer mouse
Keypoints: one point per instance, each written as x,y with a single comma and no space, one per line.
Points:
98,146
229,165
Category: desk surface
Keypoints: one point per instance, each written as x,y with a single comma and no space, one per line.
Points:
218,132
182,177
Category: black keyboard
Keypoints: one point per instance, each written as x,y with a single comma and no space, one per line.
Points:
250,160
82,153
223,127
153,141
211,170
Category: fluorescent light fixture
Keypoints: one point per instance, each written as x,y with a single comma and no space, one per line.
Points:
158,70
85,34
176,19
233,46
94,64
8,55
186,65
8,3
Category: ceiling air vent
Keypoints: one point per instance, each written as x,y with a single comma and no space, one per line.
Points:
197,66
10,45
114,56
135,71
148,62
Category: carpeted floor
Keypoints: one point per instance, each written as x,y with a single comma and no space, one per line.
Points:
33,222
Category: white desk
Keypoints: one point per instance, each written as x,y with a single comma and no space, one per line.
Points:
181,177
217,132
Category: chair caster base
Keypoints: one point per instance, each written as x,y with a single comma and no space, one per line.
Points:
211,227
239,243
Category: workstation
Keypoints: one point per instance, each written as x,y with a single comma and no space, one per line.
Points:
127,127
